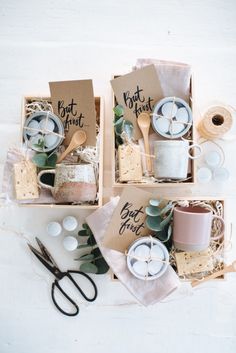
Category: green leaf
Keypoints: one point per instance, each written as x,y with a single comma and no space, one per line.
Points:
99,261
83,233
118,110
153,223
167,208
166,220
152,211
40,159
86,257
82,246
52,160
85,226
91,240
87,267
154,202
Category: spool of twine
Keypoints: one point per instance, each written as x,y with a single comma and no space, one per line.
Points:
215,123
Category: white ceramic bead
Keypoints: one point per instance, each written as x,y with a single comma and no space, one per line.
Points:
176,128
54,229
140,267
70,243
169,109
70,223
154,267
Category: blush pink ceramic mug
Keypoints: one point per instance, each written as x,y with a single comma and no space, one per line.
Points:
192,228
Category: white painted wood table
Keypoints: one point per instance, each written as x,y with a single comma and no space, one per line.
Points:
65,39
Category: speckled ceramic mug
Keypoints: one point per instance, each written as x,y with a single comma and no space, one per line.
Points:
74,183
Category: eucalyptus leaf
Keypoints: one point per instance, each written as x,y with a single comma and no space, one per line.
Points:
82,246
83,233
88,267
91,240
128,128
99,261
166,220
86,257
167,208
152,211
85,226
154,202
118,110
40,159
153,223
52,160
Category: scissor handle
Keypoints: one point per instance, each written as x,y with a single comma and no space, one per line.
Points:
68,275
56,284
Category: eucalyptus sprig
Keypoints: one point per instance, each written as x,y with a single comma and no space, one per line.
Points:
121,126
92,262
159,217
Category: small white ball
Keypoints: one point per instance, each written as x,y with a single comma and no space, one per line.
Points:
70,243
142,252
140,267
69,223
169,109
54,229
176,128
154,267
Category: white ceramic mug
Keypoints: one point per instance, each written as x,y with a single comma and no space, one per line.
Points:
171,159
73,183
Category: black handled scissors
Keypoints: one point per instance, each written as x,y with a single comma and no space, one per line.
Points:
47,260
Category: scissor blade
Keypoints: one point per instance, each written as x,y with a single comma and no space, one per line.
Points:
45,252
45,262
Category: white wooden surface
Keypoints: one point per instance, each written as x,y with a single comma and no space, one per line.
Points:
64,39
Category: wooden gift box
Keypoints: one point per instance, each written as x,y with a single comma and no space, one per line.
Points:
204,198
99,105
190,182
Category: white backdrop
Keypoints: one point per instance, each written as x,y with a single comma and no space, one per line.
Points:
62,40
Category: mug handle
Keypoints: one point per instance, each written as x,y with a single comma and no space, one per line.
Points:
197,147
43,185
222,227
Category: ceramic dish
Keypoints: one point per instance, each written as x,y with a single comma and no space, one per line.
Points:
147,258
172,117
43,125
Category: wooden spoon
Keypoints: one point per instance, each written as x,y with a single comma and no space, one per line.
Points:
229,268
144,123
78,138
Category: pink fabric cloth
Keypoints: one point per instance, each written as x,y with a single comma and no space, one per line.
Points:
146,292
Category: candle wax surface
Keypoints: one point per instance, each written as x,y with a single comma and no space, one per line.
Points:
154,267
140,267
169,109
142,252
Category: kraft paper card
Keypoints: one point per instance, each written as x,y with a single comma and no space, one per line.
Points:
137,92
73,102
128,220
